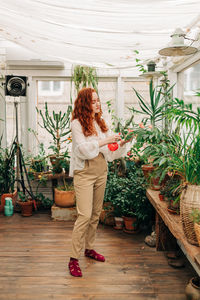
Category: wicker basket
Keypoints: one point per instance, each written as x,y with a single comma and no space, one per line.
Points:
197,232
190,199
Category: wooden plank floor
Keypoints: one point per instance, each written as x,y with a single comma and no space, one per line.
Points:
34,254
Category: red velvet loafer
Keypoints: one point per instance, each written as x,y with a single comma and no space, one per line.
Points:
74,268
93,254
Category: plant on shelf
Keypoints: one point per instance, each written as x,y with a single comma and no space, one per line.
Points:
58,126
172,192
38,163
40,200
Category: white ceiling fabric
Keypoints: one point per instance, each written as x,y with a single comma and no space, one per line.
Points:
101,33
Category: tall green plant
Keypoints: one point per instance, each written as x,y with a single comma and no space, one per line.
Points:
84,76
58,125
184,114
152,110
7,170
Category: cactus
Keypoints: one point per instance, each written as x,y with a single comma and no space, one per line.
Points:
58,125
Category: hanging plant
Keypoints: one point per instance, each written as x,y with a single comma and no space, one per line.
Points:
84,76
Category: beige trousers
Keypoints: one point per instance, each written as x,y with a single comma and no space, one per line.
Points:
89,185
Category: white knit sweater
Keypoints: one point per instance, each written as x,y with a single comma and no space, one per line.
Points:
88,147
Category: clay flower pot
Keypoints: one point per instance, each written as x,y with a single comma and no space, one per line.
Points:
192,290
161,197
26,208
119,222
64,198
131,223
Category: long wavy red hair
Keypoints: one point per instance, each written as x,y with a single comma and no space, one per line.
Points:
83,112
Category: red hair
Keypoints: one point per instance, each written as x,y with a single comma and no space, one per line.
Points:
83,112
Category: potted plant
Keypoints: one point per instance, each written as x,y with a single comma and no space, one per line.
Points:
7,176
64,196
39,164
184,161
26,204
41,201
58,126
127,194
171,192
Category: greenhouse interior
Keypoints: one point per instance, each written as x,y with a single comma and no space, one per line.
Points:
99,148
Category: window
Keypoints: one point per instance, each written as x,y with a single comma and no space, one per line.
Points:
50,88
192,85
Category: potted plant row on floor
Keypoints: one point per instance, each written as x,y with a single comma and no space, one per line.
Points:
127,197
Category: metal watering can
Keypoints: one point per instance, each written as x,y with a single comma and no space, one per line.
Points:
8,207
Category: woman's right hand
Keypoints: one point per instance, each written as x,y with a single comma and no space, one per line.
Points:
109,140
113,138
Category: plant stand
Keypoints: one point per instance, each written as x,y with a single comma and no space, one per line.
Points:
63,213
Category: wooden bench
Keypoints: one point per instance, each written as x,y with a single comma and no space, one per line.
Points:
169,231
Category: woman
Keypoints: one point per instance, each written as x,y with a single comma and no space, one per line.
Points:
90,137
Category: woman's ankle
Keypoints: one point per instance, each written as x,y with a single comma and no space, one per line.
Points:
72,258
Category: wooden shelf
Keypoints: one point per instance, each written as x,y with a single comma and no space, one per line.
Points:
173,222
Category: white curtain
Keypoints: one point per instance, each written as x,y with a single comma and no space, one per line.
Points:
101,33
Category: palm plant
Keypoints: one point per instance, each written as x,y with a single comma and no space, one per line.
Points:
152,110
184,114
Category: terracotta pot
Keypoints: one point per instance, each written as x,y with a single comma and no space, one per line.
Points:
106,216
192,290
11,195
154,182
119,222
64,198
147,170
155,185
26,208
130,223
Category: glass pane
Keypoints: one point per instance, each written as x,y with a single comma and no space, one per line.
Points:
192,85
131,99
107,92
45,85
56,85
